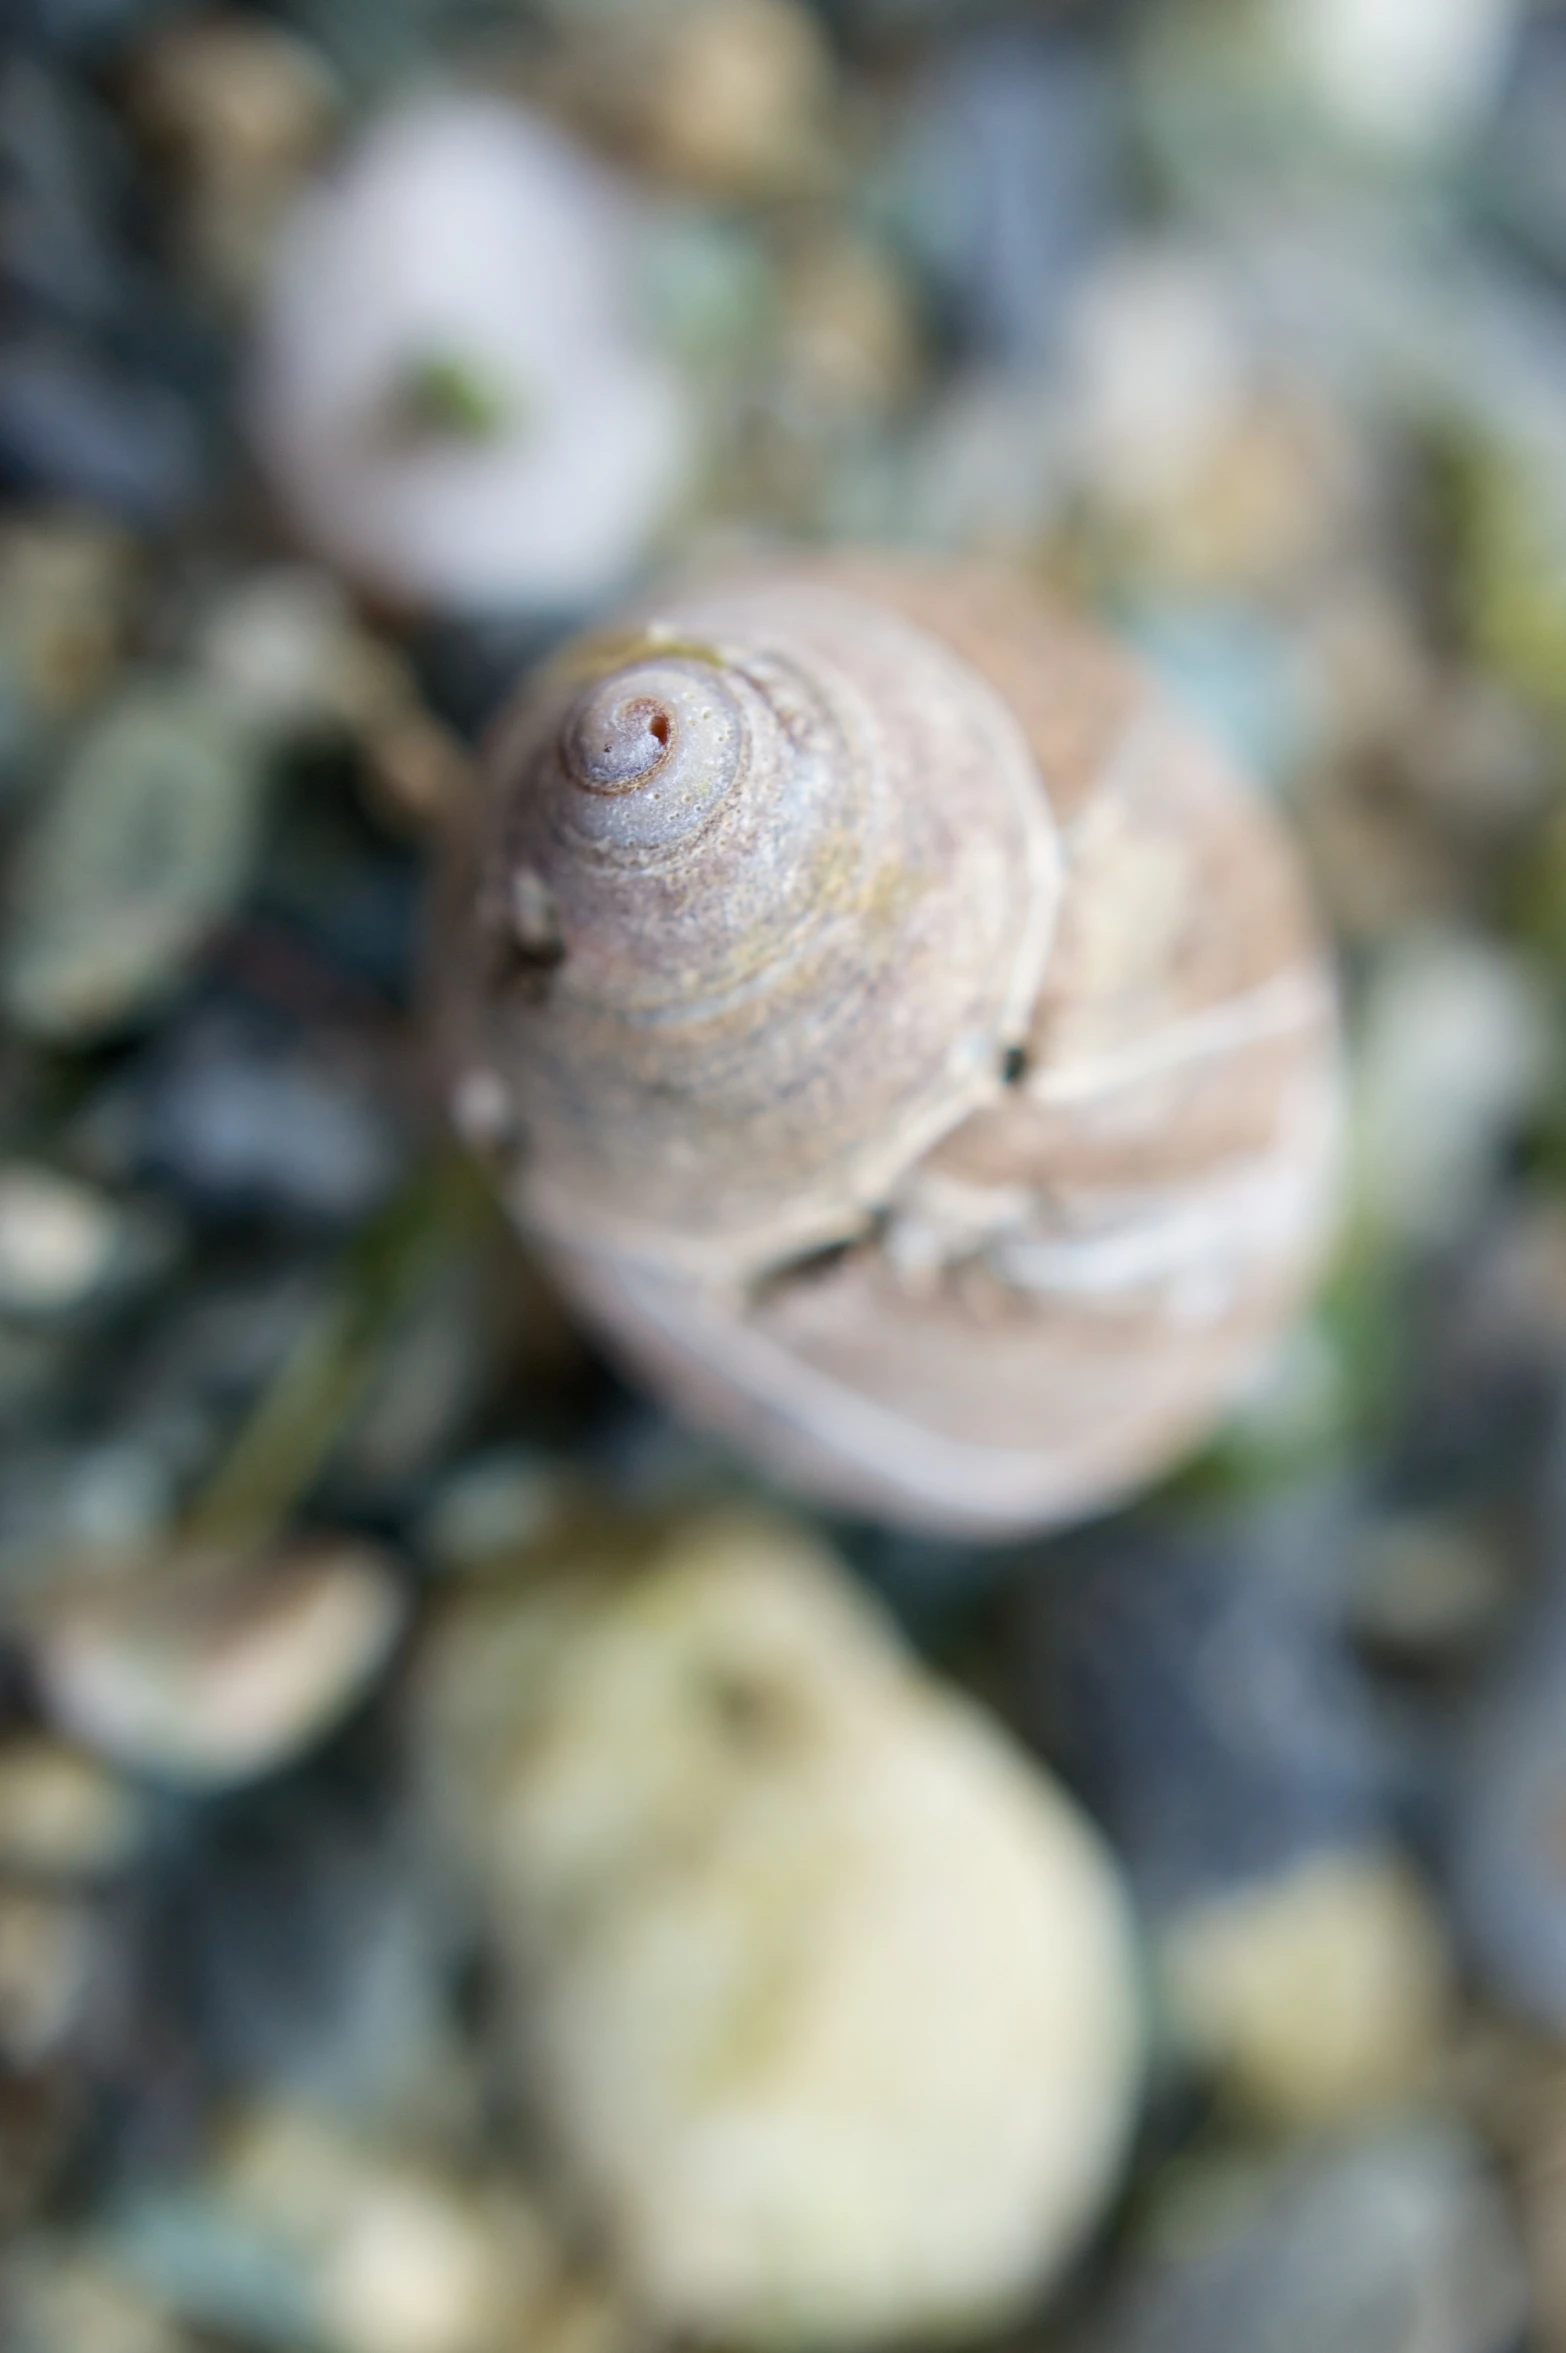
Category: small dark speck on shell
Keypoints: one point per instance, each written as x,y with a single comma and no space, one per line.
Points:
616,742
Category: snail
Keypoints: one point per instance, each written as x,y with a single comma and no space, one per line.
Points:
907,1038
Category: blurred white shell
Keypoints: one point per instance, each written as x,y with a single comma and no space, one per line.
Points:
466,238
209,1670
825,1993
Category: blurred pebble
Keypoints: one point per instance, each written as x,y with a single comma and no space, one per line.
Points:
243,1116
299,2235
1197,1689
139,849
827,1998
415,2271
48,1951
1508,1300
84,26
87,1503
216,1342
711,283
1317,1997
1430,1587
1204,463
726,97
39,1364
1244,678
62,1816
277,644
310,1948
451,391
55,243
210,1672
1478,758
987,469
1521,166
1004,185
1409,76
1378,672
239,108
1498,485
1507,1860
41,2120
1519,2087
849,344
1159,369
284,645
1397,2244
58,1239
376,46
1429,771
337,902
487,1512
1380,862
65,586
74,426
63,2298
897,21
1455,1049
417,771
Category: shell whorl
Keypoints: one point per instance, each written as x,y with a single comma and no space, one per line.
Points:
881,906
769,827
648,755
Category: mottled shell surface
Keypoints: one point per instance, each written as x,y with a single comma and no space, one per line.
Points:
906,1034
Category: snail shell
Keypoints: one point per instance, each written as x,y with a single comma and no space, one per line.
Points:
908,1038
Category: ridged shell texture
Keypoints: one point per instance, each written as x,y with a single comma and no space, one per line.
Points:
906,1034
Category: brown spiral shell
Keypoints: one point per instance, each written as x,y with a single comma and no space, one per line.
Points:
906,1035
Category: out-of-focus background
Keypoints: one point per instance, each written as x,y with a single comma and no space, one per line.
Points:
1244,324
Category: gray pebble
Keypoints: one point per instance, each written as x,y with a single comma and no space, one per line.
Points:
1198,1691
140,848
1522,167
1507,1858
74,426
49,1955
54,248
1008,181
1397,2244
241,1116
63,1502
61,2298
302,1933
